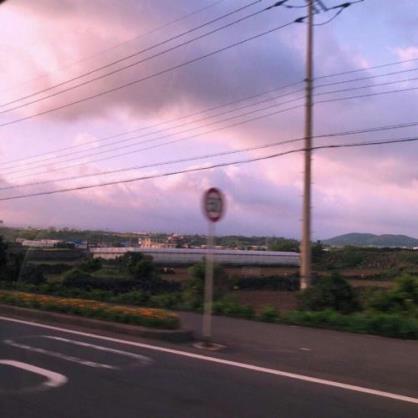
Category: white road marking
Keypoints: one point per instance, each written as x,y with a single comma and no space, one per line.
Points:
135,356
54,379
246,366
305,349
59,355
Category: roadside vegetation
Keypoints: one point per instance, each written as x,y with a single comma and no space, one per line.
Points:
147,317
332,302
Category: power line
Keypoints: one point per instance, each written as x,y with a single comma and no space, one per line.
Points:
95,153
151,76
374,67
223,113
205,168
113,156
206,110
387,83
219,154
361,96
140,36
158,54
203,111
367,77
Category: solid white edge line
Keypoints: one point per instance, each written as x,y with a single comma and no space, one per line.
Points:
246,366
54,379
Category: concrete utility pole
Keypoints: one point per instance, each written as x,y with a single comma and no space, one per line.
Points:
305,272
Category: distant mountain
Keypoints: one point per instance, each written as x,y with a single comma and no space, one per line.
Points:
371,240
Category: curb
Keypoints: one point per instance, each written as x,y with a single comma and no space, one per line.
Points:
176,336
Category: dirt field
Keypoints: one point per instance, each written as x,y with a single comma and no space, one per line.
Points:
181,273
282,301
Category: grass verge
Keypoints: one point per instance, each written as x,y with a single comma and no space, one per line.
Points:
376,323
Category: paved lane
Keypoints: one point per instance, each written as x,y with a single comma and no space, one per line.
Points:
152,380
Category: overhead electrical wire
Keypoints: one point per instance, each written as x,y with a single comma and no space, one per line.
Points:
95,153
176,119
133,64
150,76
103,139
128,153
219,154
333,83
119,44
362,96
374,67
209,167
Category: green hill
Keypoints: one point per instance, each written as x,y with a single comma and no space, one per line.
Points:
371,240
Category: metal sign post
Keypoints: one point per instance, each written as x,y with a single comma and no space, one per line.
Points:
207,315
213,207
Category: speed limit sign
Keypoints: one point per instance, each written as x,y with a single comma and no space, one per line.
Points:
213,204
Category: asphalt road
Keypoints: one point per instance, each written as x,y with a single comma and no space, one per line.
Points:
49,372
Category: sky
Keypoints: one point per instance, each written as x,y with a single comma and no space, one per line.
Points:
203,108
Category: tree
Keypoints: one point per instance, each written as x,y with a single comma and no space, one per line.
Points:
402,297
196,284
332,292
91,265
32,274
145,273
283,244
317,251
3,254
7,271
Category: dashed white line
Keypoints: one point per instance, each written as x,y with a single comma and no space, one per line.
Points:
135,356
59,355
54,379
236,364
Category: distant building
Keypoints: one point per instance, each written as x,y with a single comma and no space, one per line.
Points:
81,244
41,243
149,242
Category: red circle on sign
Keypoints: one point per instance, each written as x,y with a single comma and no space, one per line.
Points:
213,204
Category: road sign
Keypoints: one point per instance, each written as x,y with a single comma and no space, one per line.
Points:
213,207
213,204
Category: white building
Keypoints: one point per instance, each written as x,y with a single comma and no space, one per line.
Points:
194,255
41,243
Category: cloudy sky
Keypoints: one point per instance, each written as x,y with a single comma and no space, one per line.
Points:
49,47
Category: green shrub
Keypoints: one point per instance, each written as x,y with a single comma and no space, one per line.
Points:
333,292
402,298
269,314
166,300
231,307
32,274
91,265
77,278
142,268
55,268
291,283
284,244
196,283
387,325
131,298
